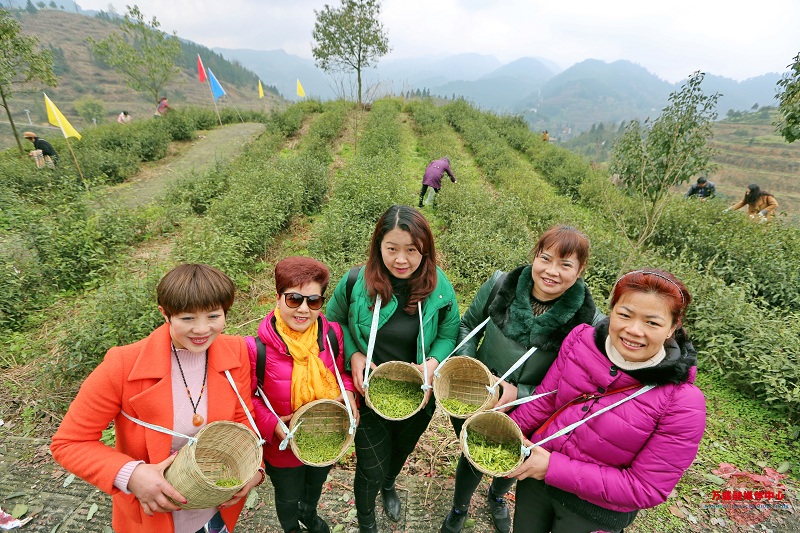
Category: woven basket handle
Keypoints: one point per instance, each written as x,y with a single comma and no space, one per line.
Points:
462,343
246,410
160,429
520,401
341,388
524,357
425,385
526,450
373,332
289,434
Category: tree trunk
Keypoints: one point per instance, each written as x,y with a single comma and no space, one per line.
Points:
358,71
11,121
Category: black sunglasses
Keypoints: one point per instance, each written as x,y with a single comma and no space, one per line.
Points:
295,299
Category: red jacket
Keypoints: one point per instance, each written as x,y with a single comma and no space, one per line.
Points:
278,383
137,379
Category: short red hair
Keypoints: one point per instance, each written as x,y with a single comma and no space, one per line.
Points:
659,282
297,270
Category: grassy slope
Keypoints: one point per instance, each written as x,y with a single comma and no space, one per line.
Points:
84,78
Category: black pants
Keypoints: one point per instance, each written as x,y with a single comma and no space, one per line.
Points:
382,447
468,478
296,488
536,512
422,193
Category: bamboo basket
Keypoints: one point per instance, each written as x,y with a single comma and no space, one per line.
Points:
322,417
223,450
465,379
497,427
398,371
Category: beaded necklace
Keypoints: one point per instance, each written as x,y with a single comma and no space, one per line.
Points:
197,420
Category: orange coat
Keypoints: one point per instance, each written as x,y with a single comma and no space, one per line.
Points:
766,201
137,379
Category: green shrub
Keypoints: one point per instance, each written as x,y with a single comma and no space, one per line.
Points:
123,311
179,126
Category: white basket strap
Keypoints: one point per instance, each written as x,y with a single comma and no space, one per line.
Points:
341,388
281,423
520,401
160,429
526,450
425,385
373,332
511,370
462,343
246,410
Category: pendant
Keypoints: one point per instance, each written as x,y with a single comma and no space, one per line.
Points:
197,420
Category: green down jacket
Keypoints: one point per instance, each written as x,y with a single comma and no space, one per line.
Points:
355,317
513,329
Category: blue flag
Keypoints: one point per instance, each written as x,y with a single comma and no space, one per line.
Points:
216,88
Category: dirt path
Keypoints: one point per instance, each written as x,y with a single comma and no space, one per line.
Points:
218,145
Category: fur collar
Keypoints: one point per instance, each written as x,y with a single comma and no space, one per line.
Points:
676,367
511,311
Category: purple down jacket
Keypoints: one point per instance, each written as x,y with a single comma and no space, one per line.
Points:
632,456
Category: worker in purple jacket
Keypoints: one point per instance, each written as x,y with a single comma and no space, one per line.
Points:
433,176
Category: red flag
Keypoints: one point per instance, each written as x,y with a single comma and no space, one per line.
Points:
201,72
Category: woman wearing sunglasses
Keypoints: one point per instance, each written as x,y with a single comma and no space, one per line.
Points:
401,270
298,369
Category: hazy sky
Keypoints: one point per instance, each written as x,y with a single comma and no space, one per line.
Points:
671,38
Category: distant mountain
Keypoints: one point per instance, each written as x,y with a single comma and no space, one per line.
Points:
530,69
593,91
741,96
282,70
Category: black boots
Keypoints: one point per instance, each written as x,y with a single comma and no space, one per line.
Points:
391,501
366,523
310,519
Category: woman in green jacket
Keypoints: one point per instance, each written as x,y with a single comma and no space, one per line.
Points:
401,270
533,305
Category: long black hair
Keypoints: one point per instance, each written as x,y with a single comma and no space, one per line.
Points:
753,193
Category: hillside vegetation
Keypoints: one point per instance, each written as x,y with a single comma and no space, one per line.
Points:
81,76
81,271
747,148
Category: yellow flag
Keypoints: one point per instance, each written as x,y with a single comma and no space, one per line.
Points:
55,118
300,91
260,90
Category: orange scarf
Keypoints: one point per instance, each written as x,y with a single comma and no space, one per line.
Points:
311,379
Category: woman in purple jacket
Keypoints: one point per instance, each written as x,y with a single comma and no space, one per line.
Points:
298,369
596,476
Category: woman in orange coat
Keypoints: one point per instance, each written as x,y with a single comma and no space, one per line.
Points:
759,203
175,378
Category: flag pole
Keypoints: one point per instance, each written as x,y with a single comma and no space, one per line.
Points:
83,180
208,79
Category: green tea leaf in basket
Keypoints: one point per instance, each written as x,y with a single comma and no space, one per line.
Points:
495,457
395,398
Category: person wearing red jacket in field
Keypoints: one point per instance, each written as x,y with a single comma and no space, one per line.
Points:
597,475
298,368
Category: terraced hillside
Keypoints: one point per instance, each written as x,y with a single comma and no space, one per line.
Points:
314,182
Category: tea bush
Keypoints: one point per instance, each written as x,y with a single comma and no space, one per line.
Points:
362,191
123,310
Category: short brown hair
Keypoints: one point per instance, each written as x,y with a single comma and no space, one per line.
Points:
297,270
189,288
567,241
